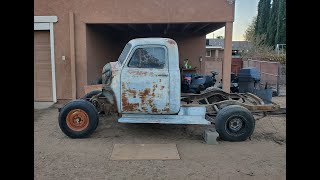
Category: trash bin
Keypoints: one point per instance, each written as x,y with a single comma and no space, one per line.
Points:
264,94
248,79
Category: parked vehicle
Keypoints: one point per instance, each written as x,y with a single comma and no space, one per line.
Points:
143,86
198,83
234,86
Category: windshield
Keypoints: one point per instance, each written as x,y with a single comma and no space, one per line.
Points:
124,53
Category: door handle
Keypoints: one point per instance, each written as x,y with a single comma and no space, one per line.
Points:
162,74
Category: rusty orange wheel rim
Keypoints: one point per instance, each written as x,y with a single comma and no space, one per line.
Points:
77,120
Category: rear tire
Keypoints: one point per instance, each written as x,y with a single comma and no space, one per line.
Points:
234,123
78,119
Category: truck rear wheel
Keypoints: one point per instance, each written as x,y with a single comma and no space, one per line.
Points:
78,119
234,123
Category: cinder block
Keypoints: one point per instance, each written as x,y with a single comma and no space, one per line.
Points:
210,136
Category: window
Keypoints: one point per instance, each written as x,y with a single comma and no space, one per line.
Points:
149,57
124,53
235,52
208,53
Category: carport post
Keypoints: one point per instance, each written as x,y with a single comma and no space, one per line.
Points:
226,72
72,56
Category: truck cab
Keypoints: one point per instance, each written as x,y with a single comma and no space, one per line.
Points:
146,77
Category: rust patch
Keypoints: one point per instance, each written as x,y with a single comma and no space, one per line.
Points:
154,89
170,41
144,109
153,108
133,92
150,101
167,109
126,105
155,86
125,102
144,93
142,101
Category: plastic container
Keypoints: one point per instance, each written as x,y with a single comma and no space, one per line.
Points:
249,74
264,94
248,80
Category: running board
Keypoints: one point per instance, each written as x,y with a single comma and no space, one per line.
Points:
186,115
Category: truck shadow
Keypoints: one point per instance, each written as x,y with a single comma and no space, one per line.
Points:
109,127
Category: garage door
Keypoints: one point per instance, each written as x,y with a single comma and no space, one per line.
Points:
42,67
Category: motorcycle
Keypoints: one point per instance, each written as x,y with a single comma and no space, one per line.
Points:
199,83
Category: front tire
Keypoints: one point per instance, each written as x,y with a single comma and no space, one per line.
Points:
234,123
78,119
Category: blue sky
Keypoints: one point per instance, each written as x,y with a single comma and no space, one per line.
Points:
245,10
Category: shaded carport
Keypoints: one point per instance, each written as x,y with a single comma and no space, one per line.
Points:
104,42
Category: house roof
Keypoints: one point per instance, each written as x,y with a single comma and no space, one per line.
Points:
219,43
214,47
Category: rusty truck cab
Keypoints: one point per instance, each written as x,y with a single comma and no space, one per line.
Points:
146,77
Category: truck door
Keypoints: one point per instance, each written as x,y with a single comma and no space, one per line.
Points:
145,81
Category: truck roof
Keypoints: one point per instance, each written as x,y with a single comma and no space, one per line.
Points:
172,48
152,40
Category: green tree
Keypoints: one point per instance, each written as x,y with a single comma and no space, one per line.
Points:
281,32
262,17
263,40
276,30
250,31
272,25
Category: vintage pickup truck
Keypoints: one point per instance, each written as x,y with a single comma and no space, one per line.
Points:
143,86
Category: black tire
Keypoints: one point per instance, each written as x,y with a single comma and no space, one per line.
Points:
236,131
85,108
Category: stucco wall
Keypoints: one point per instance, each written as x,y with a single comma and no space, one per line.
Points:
118,11
101,49
191,48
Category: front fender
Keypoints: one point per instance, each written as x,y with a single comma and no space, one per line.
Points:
111,98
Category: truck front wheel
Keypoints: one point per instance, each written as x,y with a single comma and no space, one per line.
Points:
78,119
234,123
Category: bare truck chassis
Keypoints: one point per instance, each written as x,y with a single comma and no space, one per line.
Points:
213,100
143,86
